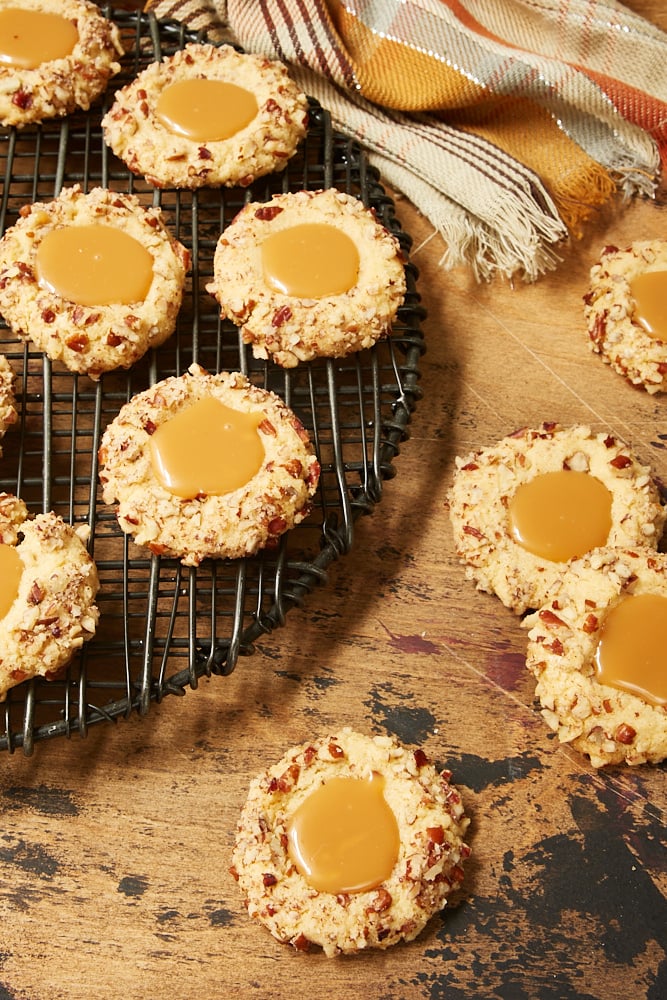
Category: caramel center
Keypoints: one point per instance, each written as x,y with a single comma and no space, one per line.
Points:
11,569
94,265
649,290
310,261
632,651
344,836
207,449
205,110
561,515
29,38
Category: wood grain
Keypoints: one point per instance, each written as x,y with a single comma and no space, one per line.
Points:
114,850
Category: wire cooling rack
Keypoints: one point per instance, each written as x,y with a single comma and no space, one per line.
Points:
163,626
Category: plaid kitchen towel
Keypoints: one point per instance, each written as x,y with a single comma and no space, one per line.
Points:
506,123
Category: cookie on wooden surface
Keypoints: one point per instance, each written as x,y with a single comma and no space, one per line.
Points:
8,414
626,315
349,842
308,274
93,279
207,116
207,466
48,586
523,508
57,56
598,650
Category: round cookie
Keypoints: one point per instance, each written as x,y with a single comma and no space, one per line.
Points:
138,135
610,310
54,610
431,826
229,525
91,339
486,481
58,86
610,724
290,328
8,414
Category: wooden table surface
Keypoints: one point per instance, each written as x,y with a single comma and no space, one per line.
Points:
114,849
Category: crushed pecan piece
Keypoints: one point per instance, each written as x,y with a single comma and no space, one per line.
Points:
381,902
281,316
268,213
625,734
549,618
301,943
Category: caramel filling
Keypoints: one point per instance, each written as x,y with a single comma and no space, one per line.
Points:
11,569
205,110
94,265
207,449
344,837
632,651
310,260
29,38
649,290
561,515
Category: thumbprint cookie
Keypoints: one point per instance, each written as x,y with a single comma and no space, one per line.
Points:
625,310
349,842
522,509
93,279
308,274
207,466
48,586
55,56
8,414
207,116
598,651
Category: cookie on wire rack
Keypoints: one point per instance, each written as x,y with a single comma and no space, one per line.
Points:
207,116
207,466
625,313
55,56
94,279
349,842
48,586
598,651
524,507
307,275
8,413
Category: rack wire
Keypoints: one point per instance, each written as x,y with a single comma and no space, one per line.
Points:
164,626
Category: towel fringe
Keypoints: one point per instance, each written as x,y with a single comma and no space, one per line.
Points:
519,245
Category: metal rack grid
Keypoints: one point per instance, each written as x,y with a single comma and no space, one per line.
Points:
163,626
